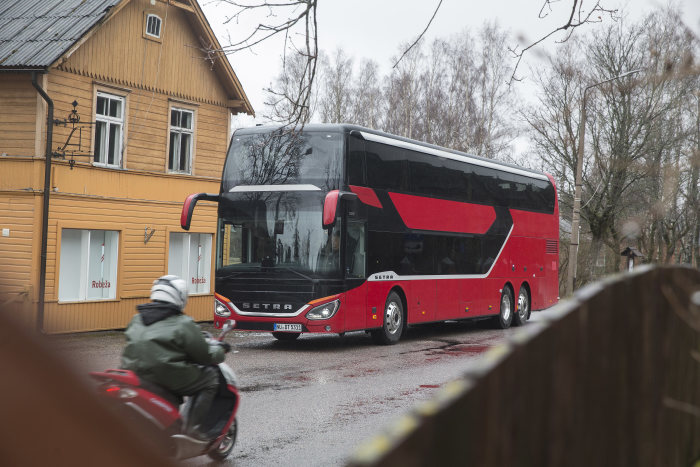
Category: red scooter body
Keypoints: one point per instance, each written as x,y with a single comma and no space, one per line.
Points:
165,413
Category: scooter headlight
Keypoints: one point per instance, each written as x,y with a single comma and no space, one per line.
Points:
325,311
127,393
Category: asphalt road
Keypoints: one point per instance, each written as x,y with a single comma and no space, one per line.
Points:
312,401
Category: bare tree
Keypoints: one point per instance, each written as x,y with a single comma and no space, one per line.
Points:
671,191
367,103
402,94
495,132
336,95
283,95
292,19
635,168
578,16
297,18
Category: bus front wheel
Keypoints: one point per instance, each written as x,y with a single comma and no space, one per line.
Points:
505,317
394,322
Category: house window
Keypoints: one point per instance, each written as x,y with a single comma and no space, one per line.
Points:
109,126
180,151
190,258
88,265
153,23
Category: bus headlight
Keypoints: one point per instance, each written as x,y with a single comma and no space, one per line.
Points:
220,309
325,311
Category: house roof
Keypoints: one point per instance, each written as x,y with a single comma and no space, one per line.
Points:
35,33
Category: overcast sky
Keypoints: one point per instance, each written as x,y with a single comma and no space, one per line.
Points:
375,29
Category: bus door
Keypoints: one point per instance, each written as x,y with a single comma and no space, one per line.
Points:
355,266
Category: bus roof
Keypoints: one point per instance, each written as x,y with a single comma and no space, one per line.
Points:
406,143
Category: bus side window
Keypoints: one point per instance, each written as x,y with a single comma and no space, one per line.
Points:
385,166
356,161
355,250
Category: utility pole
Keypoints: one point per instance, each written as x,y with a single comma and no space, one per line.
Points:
575,215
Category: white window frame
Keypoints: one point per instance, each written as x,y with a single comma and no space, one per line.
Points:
81,271
159,25
109,121
179,262
178,131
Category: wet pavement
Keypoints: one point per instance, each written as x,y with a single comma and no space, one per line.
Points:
312,401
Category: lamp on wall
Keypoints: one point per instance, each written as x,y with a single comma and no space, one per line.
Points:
147,234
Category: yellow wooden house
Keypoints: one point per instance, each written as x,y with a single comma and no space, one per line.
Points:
132,102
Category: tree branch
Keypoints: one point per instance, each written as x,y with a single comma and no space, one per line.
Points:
419,36
577,18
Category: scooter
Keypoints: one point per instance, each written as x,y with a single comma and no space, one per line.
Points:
165,415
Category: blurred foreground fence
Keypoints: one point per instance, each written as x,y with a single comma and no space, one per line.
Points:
612,378
49,416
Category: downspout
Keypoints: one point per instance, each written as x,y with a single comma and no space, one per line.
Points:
45,210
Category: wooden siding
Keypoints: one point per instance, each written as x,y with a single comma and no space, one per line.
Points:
76,317
21,174
147,124
128,203
18,118
119,52
18,214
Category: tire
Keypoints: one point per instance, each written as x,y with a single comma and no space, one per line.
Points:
221,451
286,336
394,321
505,316
522,312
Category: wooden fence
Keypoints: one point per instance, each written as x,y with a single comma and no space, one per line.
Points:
611,379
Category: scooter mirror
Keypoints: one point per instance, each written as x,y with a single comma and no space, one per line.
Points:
228,325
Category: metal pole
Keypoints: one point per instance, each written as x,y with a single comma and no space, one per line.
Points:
573,245
575,215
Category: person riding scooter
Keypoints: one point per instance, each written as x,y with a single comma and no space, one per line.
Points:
166,347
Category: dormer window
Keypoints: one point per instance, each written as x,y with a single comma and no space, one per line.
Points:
153,23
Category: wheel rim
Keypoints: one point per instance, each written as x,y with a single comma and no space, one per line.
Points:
393,318
522,305
227,443
505,307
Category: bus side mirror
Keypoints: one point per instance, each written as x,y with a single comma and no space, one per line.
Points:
188,207
330,205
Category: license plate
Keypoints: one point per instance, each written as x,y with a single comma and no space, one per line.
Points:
287,327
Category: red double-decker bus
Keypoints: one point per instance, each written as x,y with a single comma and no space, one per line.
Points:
339,228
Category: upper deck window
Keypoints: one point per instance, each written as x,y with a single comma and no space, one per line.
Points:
285,158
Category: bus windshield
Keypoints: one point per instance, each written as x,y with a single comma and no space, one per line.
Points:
281,230
284,157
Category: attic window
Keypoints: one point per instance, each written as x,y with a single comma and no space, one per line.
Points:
153,23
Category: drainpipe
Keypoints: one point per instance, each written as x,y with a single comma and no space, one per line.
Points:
45,210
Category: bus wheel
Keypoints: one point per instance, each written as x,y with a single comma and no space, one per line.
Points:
286,336
505,317
394,324
523,311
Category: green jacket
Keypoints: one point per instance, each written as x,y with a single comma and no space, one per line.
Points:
167,347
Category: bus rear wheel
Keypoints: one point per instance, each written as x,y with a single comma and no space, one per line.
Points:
505,317
286,336
394,322
522,313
